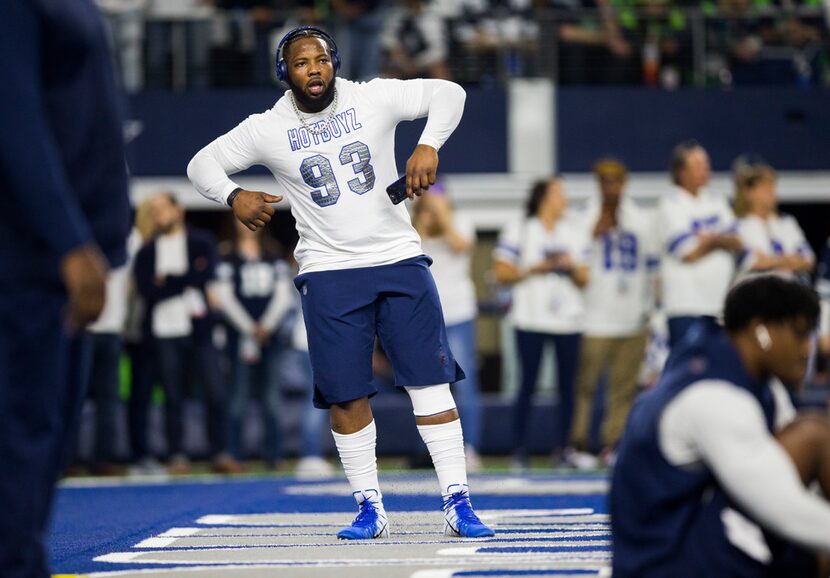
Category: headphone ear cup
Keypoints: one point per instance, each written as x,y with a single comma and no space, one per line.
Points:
282,70
335,60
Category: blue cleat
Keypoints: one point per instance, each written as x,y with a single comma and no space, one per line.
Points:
370,523
459,519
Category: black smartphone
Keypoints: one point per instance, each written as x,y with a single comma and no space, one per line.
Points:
397,190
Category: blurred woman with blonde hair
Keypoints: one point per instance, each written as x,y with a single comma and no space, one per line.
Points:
773,241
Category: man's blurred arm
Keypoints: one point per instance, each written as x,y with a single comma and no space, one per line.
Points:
32,169
31,163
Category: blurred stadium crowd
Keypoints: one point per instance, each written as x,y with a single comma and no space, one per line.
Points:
611,286
608,284
200,44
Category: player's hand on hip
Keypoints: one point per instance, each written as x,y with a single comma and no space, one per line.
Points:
421,169
253,208
84,274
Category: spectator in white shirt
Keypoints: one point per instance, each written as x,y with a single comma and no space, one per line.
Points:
699,244
773,241
618,303
544,257
171,274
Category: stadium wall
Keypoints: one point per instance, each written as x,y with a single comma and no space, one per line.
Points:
500,146
787,126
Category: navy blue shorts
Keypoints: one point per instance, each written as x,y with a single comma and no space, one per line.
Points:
345,309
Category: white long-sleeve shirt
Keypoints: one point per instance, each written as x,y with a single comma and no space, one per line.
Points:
723,426
776,235
336,182
698,287
552,302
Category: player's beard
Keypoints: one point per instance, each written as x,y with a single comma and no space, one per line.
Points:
309,104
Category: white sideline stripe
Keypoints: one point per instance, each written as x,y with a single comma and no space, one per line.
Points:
326,519
589,518
504,530
216,570
442,573
546,540
156,542
215,519
477,550
179,532
399,537
458,551
118,557
500,514
522,557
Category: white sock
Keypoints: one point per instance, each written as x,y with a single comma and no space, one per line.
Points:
357,454
445,443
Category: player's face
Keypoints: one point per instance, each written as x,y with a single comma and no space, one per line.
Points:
311,73
790,350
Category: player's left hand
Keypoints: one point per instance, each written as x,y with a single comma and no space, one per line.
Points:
421,169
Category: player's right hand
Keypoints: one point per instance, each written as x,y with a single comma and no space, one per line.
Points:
84,274
421,169
253,208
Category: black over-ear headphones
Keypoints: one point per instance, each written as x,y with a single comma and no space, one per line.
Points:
282,67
